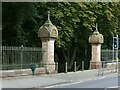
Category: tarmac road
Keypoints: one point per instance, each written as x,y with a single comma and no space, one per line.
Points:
104,82
79,79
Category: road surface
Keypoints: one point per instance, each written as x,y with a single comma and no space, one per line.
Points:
104,82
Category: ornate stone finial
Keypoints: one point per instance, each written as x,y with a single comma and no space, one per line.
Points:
49,15
48,29
96,27
96,30
48,22
96,37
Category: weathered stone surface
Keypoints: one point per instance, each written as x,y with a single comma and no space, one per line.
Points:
48,33
96,38
48,47
96,52
25,72
48,30
95,65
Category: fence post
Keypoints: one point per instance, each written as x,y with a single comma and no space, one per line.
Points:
75,66
82,65
21,58
66,67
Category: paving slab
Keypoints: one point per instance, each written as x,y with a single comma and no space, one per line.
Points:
48,80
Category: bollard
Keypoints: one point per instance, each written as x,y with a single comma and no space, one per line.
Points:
56,67
21,56
99,71
82,65
45,65
90,65
66,67
112,68
103,66
75,66
116,66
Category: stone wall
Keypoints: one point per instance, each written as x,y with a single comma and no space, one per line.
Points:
22,72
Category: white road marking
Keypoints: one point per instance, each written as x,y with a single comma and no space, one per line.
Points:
114,87
72,83
79,81
63,84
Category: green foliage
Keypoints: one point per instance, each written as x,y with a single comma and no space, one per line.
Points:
18,22
75,22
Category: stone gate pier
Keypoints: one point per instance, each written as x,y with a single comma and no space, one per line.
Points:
96,39
48,34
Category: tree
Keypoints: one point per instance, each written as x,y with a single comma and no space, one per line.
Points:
75,22
18,23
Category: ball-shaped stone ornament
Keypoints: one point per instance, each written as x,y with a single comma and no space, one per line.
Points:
48,30
96,38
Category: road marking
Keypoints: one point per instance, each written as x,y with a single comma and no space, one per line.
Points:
69,83
72,83
63,84
101,77
114,87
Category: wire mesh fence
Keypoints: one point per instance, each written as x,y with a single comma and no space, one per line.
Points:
20,57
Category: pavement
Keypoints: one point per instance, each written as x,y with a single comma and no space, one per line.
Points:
49,80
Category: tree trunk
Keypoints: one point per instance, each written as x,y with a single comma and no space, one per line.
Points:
73,57
64,54
69,56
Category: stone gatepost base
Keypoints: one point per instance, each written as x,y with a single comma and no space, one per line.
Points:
50,68
95,65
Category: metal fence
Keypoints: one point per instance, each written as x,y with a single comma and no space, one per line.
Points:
108,67
110,61
109,55
20,57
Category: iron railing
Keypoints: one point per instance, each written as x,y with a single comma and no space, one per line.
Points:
109,55
108,67
20,57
